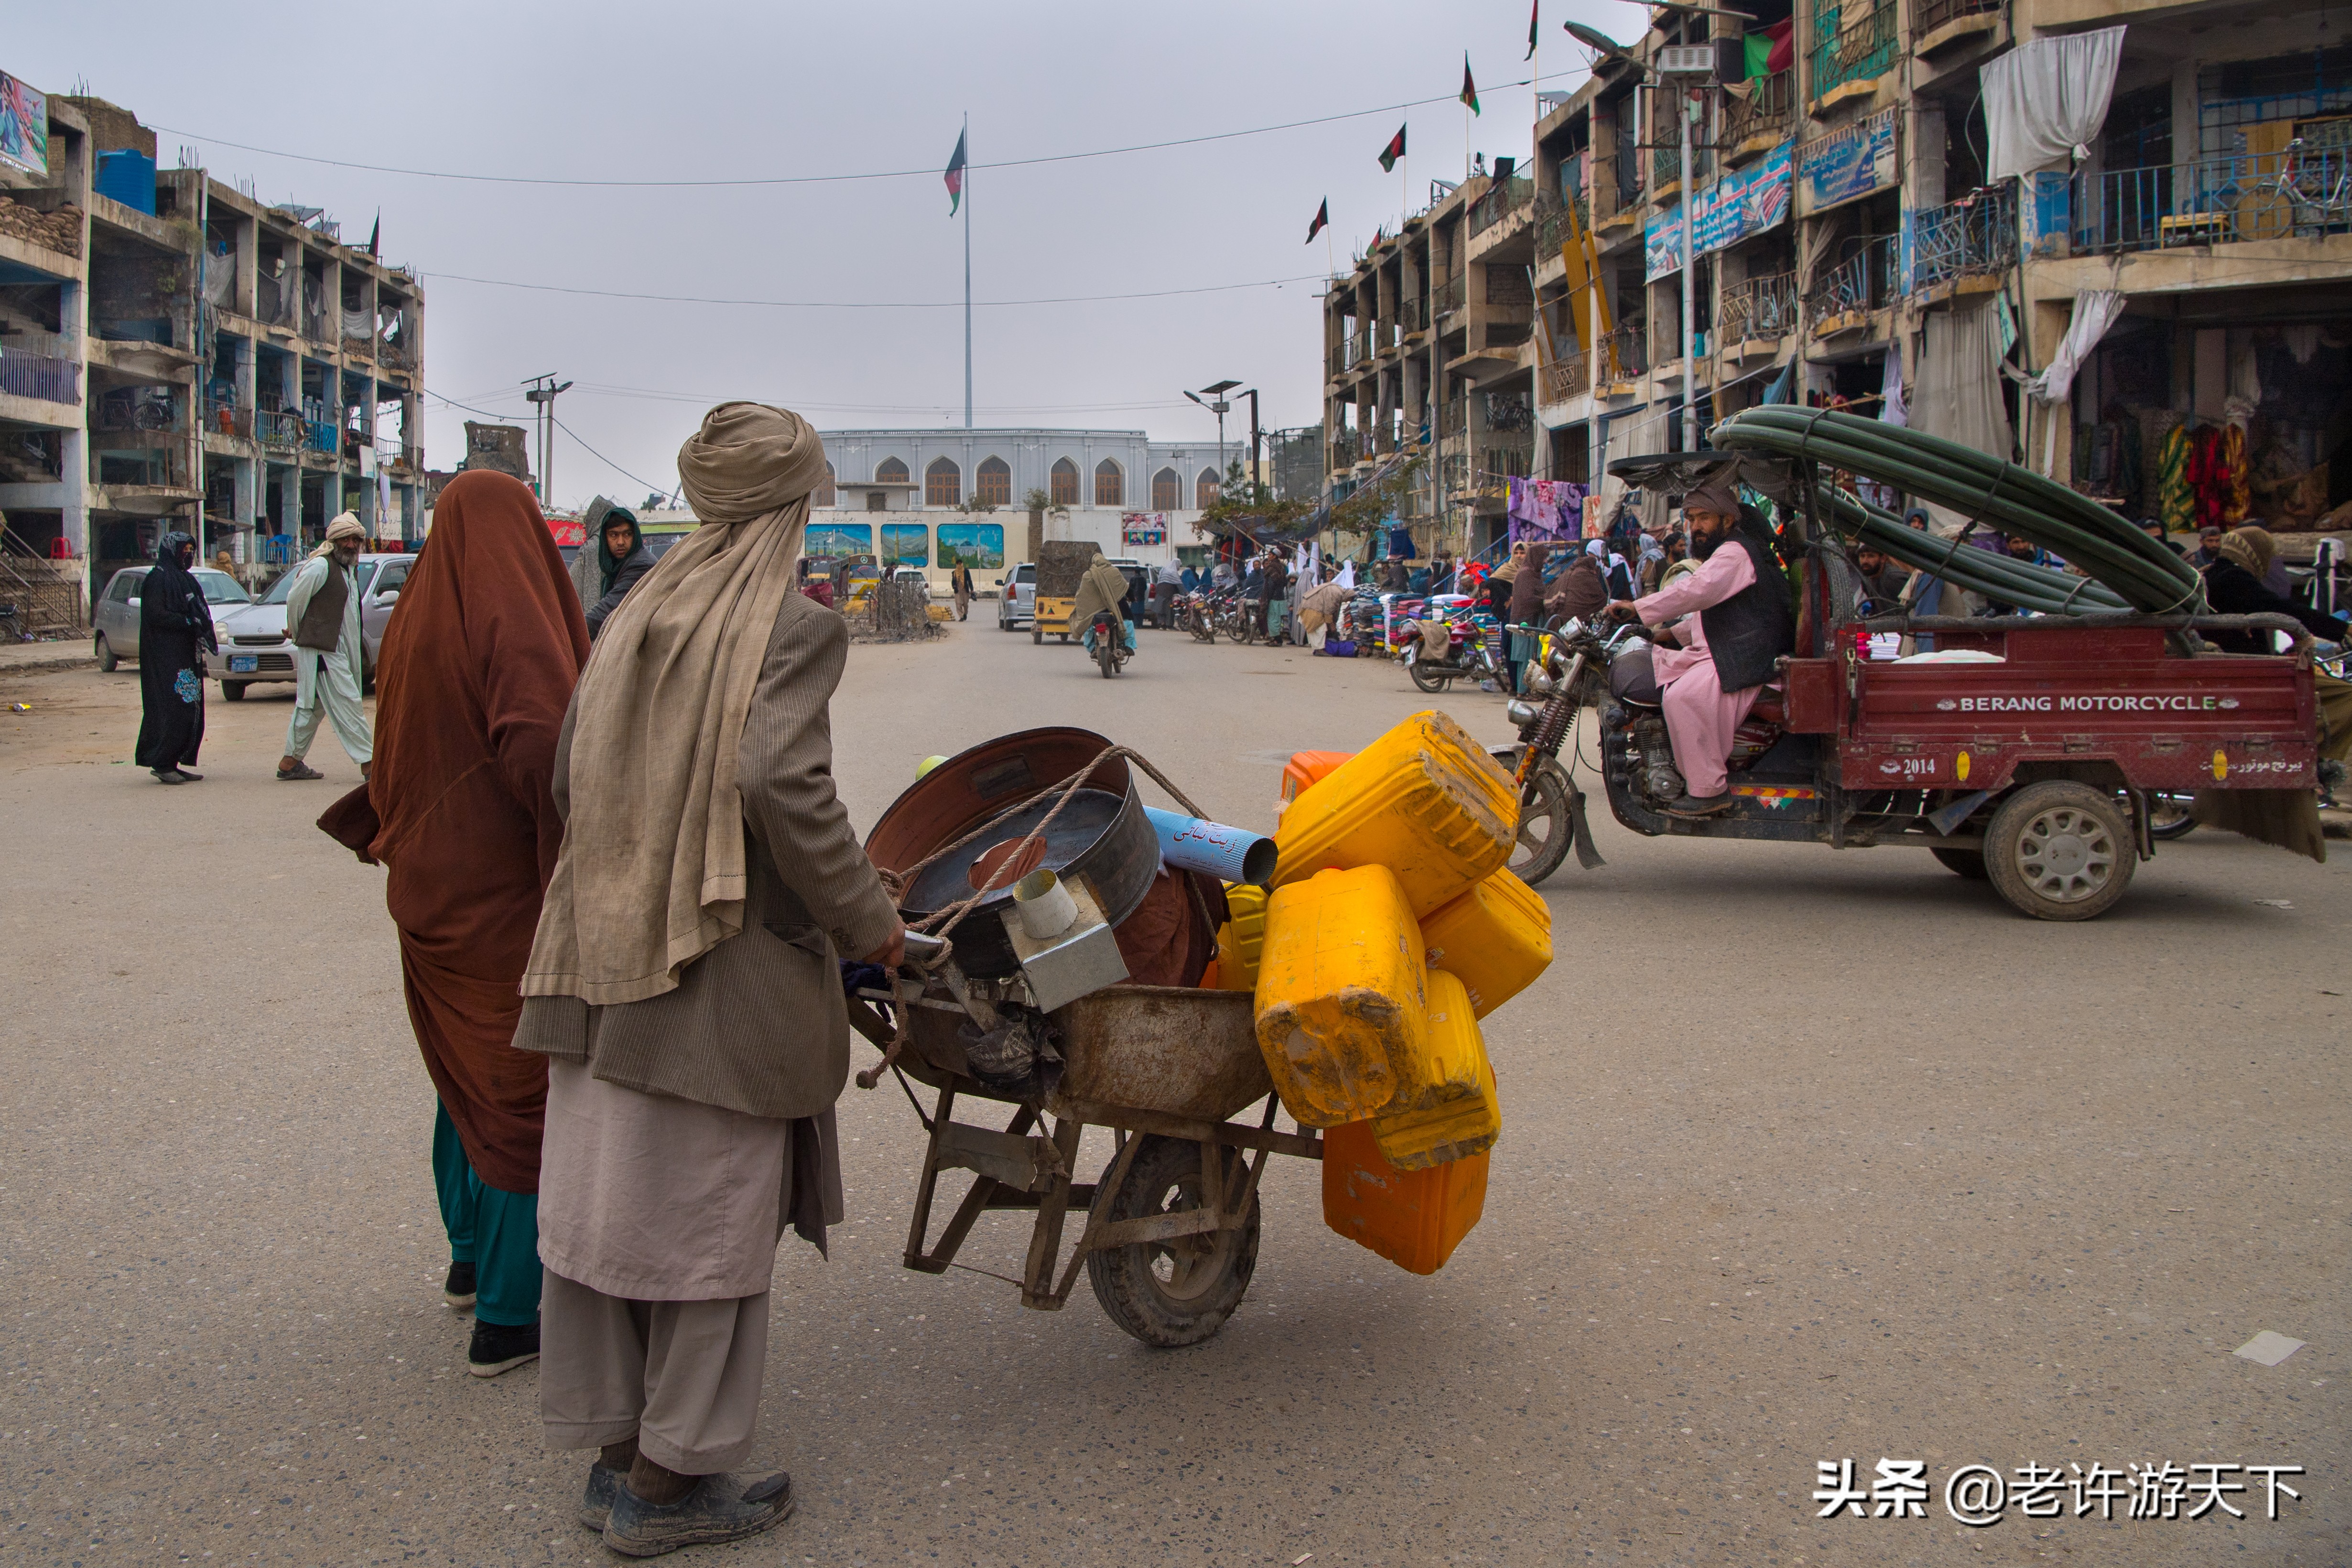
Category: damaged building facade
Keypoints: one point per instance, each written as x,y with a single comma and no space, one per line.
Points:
2111,240
177,353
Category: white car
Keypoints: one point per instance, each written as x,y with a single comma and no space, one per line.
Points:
115,622
1018,607
255,647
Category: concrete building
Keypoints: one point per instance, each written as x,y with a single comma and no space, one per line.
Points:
1853,245
176,353
1132,496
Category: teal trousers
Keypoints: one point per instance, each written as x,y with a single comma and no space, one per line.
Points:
496,1232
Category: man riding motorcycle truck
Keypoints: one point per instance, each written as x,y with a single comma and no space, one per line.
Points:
1728,650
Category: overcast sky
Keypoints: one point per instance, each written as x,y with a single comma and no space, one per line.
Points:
589,91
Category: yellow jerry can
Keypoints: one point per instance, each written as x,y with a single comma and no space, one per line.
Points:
1242,937
1342,996
1412,1218
1496,937
1424,800
1456,1112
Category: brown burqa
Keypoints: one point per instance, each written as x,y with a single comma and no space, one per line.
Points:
1528,587
478,667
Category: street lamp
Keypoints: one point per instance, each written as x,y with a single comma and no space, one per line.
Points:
1677,61
541,390
1220,407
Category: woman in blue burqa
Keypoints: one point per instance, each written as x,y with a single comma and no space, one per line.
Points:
173,622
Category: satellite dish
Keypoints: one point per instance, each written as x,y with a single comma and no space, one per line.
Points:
1593,38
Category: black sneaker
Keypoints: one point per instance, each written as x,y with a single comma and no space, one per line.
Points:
457,1290
1702,805
720,1508
498,1347
596,1502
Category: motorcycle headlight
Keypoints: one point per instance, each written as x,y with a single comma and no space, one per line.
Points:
1519,712
1540,684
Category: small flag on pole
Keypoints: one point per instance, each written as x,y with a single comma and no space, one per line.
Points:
955,177
375,238
1469,90
1533,7
1394,150
1322,220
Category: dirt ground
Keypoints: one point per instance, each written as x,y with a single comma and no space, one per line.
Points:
1807,1156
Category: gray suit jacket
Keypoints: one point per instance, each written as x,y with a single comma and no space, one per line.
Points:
758,1023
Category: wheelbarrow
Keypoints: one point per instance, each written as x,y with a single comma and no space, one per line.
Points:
1171,1233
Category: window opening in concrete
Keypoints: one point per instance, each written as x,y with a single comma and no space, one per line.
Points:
942,483
889,471
824,491
1065,480
1204,490
994,483
1167,491
1110,488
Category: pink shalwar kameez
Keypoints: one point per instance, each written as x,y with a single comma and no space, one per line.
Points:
1701,716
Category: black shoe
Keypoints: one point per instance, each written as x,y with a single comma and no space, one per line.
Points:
720,1508
457,1290
188,778
596,1502
1701,805
497,1348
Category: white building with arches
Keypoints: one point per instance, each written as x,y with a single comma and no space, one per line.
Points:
1110,487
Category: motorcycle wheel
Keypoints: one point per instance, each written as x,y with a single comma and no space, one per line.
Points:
1424,680
1546,832
1106,656
2171,816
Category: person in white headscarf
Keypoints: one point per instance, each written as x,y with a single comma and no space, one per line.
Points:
322,619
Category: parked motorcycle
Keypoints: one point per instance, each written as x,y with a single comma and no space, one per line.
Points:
1469,656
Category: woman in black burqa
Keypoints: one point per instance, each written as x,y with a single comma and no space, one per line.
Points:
173,622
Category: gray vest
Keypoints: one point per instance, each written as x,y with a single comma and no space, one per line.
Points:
321,629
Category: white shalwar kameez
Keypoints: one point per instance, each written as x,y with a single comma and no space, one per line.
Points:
327,681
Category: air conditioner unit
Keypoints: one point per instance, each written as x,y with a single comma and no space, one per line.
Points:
1685,60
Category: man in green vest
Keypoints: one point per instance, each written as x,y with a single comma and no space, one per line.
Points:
322,618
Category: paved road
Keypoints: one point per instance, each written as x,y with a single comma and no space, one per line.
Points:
1806,1156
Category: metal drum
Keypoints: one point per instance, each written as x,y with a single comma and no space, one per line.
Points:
1102,838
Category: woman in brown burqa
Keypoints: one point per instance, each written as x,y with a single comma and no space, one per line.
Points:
478,668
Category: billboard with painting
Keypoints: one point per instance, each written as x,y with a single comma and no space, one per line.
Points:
906,544
980,546
836,539
24,126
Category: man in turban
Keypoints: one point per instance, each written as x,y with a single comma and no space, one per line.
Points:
684,986
1104,587
322,618
1728,650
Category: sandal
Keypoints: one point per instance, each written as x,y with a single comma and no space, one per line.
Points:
301,771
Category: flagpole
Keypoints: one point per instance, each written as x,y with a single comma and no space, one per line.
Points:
967,269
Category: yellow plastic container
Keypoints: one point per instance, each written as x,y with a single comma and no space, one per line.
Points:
1424,800
1242,937
1342,996
1457,1114
1412,1218
1496,937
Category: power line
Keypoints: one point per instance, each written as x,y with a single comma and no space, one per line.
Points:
837,179
866,304
599,457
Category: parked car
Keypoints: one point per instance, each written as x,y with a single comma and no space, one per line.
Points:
115,622
255,647
1018,607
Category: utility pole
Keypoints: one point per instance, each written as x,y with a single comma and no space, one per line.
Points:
967,273
1220,407
1684,103
1256,477
541,391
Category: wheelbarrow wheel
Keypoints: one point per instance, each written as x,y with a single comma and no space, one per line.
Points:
1180,1291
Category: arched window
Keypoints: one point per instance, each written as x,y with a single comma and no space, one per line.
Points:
1110,489
995,485
824,496
1204,490
942,483
1167,491
1065,481
889,471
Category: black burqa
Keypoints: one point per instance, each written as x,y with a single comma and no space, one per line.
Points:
173,622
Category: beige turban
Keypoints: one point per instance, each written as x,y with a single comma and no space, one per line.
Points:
653,872
346,526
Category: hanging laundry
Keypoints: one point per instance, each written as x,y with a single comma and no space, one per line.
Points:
2176,496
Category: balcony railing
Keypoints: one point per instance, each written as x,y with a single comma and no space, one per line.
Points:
1552,227
1565,378
42,365
1864,280
1499,202
1758,309
1454,418
2302,193
1767,112
1624,351
1453,294
1926,15
317,435
1665,168
228,418
1410,316
1851,43
281,430
1975,236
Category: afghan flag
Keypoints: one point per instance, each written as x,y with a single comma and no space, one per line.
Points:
1533,7
1771,51
1469,96
1395,149
1322,220
955,177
